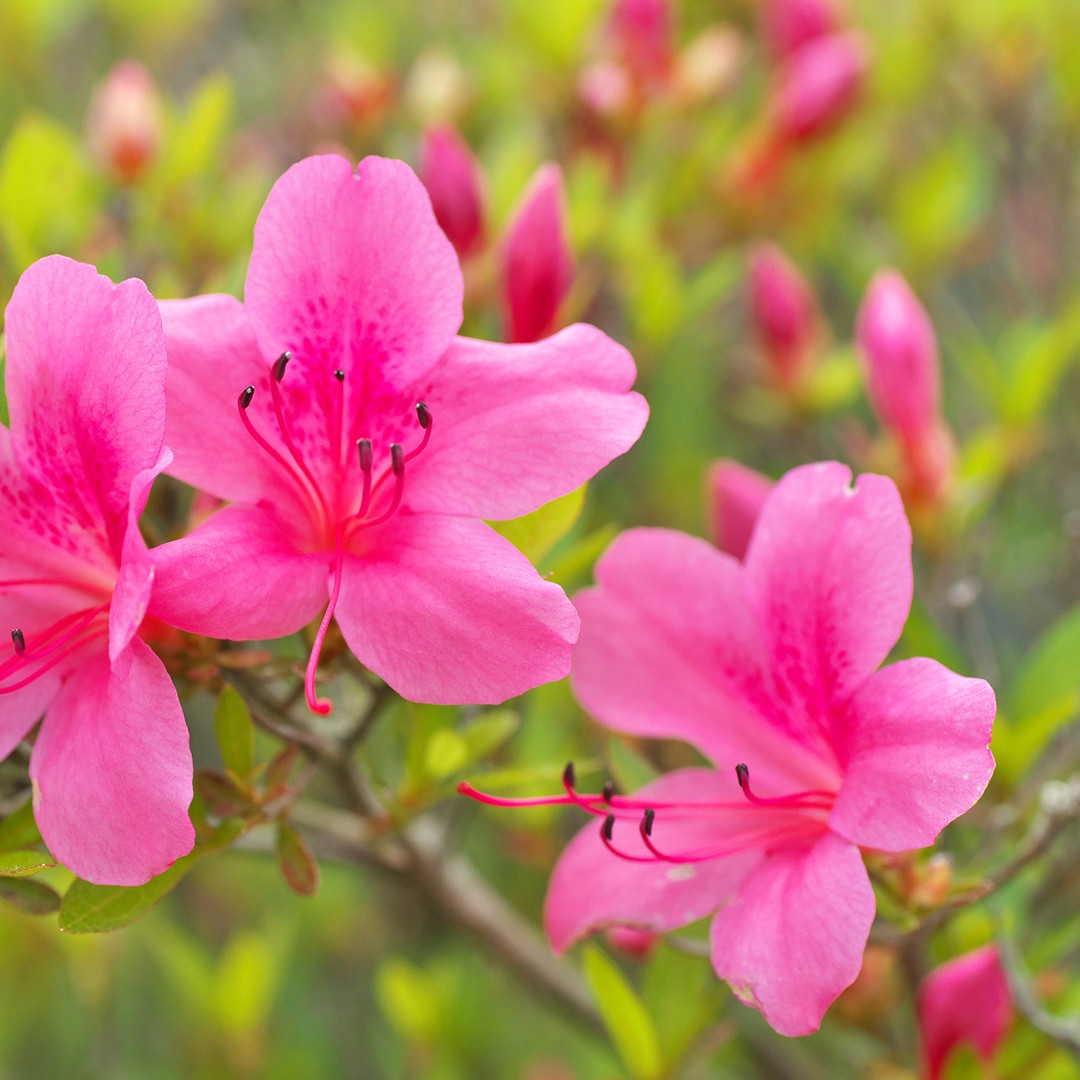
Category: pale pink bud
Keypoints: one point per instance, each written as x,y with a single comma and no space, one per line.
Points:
965,1001
537,263
642,32
632,941
818,85
452,177
734,496
785,314
709,65
900,358
787,24
124,121
605,88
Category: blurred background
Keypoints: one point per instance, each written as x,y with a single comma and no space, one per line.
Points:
727,184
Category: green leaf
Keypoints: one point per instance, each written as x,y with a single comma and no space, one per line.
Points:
30,897
19,829
629,1025
221,795
235,732
535,534
297,864
97,909
24,863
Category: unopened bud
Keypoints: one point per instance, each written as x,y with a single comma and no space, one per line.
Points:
605,88
788,24
632,941
734,496
641,33
708,66
125,121
452,177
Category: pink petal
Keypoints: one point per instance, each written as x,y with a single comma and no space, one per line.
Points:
112,773
20,711
86,389
915,754
239,576
792,937
670,649
734,495
829,575
591,888
447,611
351,271
518,425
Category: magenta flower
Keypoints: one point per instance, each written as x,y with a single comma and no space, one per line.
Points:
361,443
453,179
788,24
642,34
768,668
734,495
964,1001
111,767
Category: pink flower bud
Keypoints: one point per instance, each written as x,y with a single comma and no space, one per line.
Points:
708,66
787,24
641,33
785,314
900,358
537,263
605,88
124,121
734,495
452,177
964,1001
818,85
632,941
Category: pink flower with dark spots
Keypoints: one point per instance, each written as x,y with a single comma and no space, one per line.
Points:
111,767
770,668
361,446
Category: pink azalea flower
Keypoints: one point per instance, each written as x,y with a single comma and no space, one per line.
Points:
452,177
642,34
361,443
768,667
787,24
735,494
111,767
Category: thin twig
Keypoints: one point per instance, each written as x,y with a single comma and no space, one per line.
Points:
1064,1032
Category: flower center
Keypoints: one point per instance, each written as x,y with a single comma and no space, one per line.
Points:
51,646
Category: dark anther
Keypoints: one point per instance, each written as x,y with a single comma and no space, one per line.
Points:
397,458
363,447
743,773
280,364
245,396
609,790
339,375
647,821
608,826
568,776
423,414
18,641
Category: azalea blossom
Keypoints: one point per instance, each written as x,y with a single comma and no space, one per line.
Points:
769,667
111,768
734,496
362,445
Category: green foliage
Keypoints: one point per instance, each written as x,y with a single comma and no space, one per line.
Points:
97,909
235,732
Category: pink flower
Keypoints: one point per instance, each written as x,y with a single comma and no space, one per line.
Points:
124,122
111,767
786,317
361,444
735,495
537,262
452,177
642,35
768,668
787,24
965,1000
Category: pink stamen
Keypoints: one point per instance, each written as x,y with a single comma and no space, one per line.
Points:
465,788
423,415
397,465
286,435
339,415
705,854
363,449
606,830
324,706
45,646
809,799
57,659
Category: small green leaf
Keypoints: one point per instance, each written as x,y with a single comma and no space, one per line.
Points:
535,534
221,795
445,754
629,1025
235,732
19,829
280,769
24,863
96,909
30,897
298,865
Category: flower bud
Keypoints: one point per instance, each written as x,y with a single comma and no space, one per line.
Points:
605,88
641,33
708,66
632,941
787,24
734,496
125,122
537,263
785,314
900,358
818,85
452,177
353,92
965,1001
438,88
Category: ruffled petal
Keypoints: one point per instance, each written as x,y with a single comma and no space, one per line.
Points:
518,425
239,576
792,937
112,772
915,754
447,611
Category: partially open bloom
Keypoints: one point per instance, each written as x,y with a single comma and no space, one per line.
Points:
787,24
964,1001
85,380
452,177
734,495
768,667
361,444
125,122
537,261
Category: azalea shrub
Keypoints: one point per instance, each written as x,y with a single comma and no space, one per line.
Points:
566,505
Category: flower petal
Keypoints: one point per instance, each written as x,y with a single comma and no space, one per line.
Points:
518,425
792,937
915,756
20,711
829,575
591,888
112,773
238,576
447,611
